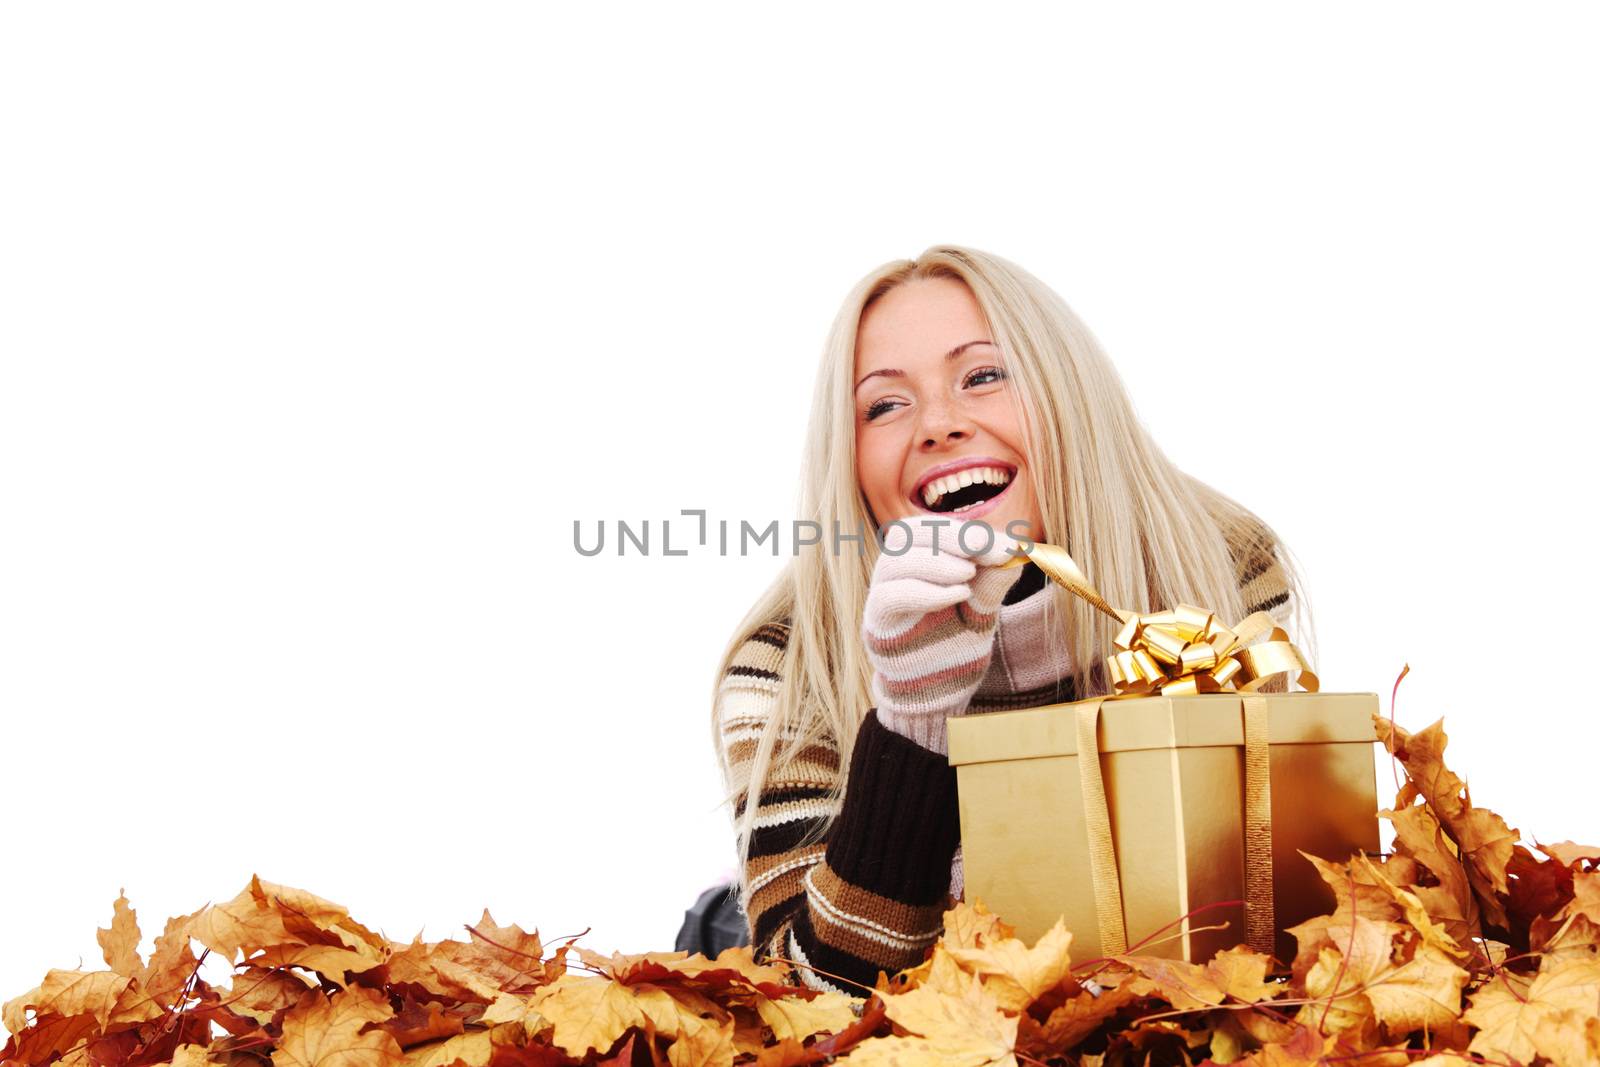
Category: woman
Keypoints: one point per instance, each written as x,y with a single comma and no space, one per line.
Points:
954,387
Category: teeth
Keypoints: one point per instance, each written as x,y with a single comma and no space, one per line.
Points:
939,487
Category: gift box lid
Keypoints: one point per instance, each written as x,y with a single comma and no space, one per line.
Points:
1210,719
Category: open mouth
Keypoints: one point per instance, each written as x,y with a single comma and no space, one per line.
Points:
963,490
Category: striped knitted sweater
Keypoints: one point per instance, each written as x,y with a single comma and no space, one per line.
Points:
846,890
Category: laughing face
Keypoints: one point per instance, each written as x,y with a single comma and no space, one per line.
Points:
937,431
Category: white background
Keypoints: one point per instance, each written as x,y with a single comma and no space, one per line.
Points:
322,323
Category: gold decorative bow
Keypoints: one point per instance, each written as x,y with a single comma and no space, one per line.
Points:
1182,650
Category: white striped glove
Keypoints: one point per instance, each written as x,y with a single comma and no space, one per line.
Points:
929,626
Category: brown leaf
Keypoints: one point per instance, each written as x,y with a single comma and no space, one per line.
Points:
707,1042
1076,1019
264,995
511,1008
1413,908
1569,1038
1185,986
1573,938
1483,838
972,925
588,1014
735,964
48,1037
1585,896
333,1032
417,1023
796,1019
119,943
967,1027
172,963
1423,993
472,1049
1015,974
1569,853
1507,1013
1241,973
1337,984
102,995
1306,1047
330,962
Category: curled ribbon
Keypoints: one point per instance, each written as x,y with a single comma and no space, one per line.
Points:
1182,650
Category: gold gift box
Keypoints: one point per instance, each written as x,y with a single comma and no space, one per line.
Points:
1174,774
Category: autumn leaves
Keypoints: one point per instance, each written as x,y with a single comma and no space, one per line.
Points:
1460,946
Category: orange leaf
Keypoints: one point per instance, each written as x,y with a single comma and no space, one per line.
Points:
119,944
796,1019
472,1049
1484,839
967,1027
1507,1014
1241,973
589,1014
331,1032
1015,974
1185,986
264,995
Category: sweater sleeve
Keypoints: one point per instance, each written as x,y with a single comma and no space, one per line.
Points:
841,892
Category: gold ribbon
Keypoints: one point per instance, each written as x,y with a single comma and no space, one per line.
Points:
1181,652
1102,849
1259,925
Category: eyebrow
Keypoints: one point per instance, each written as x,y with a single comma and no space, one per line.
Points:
889,372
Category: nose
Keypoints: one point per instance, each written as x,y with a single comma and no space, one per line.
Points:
943,425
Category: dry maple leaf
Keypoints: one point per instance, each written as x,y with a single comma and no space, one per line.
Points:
1185,986
1241,973
588,1014
703,1042
1569,1038
1507,1012
171,963
264,995
1337,983
471,1049
1075,1020
1484,839
119,943
105,996
1422,993
970,924
334,964
966,1025
1015,974
1570,853
416,1024
1433,934
794,1019
333,1032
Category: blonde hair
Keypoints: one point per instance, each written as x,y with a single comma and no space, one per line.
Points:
1146,534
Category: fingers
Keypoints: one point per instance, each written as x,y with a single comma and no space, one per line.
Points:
941,568
894,606
990,586
994,579
973,539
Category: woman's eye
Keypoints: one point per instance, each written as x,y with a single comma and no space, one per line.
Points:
878,408
984,376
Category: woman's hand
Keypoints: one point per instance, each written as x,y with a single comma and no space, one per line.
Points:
929,625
